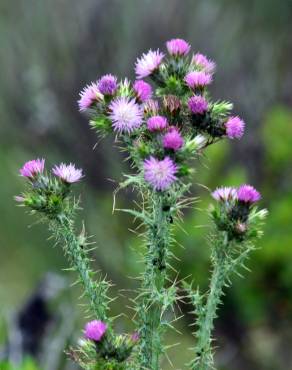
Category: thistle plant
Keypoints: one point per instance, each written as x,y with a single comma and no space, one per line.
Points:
164,125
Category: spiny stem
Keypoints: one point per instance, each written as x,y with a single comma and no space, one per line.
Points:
203,349
95,291
153,286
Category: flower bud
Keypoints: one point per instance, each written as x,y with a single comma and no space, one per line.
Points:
241,227
196,143
171,104
151,107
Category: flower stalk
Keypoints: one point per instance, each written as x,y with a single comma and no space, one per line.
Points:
74,248
237,223
151,308
203,349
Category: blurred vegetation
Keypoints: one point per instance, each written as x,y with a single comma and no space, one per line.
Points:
27,364
49,50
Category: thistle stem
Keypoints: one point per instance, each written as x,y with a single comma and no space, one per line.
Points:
77,255
204,355
153,285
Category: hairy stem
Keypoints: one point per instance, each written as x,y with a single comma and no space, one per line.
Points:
153,285
203,349
75,250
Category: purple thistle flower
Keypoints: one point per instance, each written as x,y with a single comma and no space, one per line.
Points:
95,330
67,173
160,174
198,79
198,104
234,128
107,85
88,96
178,47
32,168
248,194
225,193
143,90
148,63
126,115
173,139
204,63
157,123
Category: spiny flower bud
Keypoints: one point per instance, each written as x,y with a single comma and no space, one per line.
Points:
142,148
241,227
262,214
151,107
124,88
171,103
196,143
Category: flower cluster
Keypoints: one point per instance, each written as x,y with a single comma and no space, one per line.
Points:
164,114
163,123
115,349
235,205
46,193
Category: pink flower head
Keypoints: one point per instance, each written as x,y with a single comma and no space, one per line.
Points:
32,168
234,128
173,139
126,115
157,123
160,174
248,194
198,104
178,47
198,79
204,63
107,85
148,63
143,90
225,194
67,173
88,96
95,330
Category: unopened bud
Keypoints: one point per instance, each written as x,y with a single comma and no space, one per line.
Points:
151,107
240,228
196,144
171,103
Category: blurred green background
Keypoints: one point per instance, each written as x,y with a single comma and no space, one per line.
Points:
49,51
